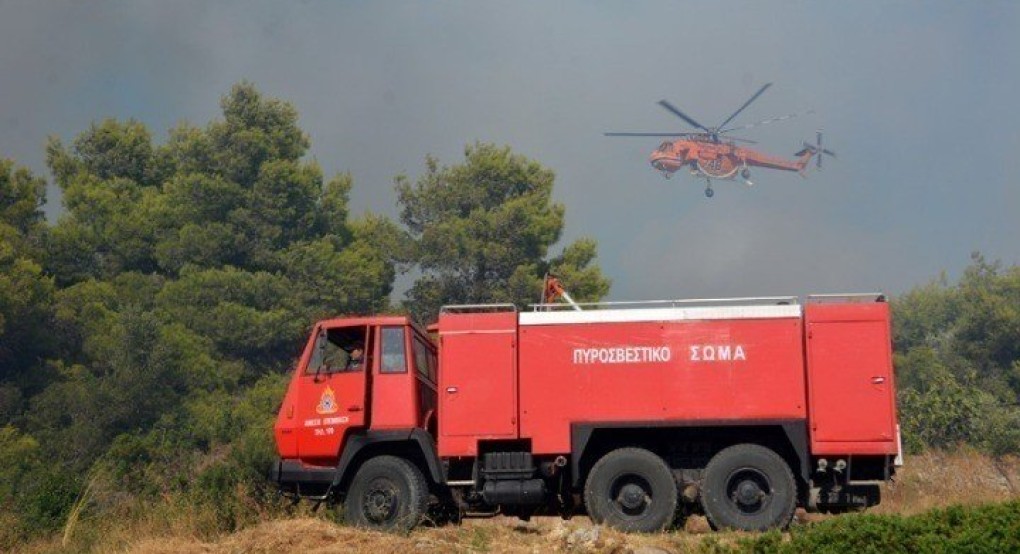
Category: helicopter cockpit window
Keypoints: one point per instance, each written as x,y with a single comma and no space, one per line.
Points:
665,147
339,350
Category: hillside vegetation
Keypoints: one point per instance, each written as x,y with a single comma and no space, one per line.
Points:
146,335
983,490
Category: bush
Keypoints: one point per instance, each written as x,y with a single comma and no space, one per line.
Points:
991,528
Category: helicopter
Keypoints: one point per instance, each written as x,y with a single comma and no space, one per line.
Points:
711,154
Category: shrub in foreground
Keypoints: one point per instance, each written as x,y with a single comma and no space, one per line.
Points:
957,529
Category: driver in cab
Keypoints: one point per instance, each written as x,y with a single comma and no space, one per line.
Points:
338,359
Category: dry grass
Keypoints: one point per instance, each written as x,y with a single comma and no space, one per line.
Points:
496,535
931,480
939,479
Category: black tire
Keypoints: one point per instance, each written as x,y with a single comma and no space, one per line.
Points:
631,489
709,193
749,488
388,494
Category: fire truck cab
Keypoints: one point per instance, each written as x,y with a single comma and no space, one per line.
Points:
635,413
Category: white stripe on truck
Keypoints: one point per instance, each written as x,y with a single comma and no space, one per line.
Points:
698,313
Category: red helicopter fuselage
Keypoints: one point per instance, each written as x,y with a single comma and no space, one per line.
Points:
712,154
719,160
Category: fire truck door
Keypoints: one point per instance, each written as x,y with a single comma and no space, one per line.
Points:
478,389
850,376
333,392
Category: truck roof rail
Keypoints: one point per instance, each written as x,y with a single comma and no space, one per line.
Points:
678,303
853,297
476,308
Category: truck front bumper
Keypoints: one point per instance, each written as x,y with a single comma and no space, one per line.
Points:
297,476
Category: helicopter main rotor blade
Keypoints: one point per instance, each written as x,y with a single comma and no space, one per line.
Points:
647,134
767,121
746,104
682,115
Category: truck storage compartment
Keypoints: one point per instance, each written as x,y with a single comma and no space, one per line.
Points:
850,379
734,364
478,381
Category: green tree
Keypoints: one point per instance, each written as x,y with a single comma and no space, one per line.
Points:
26,293
104,177
482,231
987,328
22,196
924,316
958,360
154,321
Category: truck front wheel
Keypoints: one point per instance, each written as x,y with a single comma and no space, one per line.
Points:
631,489
388,493
749,488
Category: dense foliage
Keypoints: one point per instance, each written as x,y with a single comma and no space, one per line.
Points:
993,528
145,336
482,231
957,356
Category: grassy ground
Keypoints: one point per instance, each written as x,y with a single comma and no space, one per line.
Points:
929,481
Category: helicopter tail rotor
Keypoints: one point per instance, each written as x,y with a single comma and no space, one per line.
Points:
816,150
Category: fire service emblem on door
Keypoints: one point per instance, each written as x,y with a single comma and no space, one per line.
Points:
327,403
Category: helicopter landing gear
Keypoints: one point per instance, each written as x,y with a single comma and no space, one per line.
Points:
709,192
666,175
745,174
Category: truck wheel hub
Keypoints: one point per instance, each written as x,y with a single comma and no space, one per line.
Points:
632,497
749,493
749,489
380,503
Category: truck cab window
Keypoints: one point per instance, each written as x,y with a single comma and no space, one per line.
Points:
394,358
424,361
339,350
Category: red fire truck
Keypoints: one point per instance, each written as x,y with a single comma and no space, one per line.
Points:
635,413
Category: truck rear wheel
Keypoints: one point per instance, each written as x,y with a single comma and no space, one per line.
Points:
748,487
388,493
631,489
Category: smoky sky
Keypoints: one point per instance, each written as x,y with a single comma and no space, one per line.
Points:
918,99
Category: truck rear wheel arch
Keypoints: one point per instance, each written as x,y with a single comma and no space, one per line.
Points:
415,445
787,437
